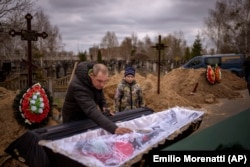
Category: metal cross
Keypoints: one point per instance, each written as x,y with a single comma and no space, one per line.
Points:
29,35
159,46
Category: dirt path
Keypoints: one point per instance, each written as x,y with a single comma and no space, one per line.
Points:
224,109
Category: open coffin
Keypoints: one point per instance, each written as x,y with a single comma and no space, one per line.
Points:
26,148
100,148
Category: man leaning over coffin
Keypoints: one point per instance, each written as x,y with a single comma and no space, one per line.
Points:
84,98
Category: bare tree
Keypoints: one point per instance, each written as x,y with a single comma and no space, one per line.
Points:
214,24
126,48
134,39
14,18
176,46
9,6
11,12
110,42
228,26
53,43
148,48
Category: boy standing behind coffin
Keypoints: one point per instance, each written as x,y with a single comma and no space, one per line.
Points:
128,93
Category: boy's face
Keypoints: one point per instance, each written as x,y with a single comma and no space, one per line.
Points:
129,78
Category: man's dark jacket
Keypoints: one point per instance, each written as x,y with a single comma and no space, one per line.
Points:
82,99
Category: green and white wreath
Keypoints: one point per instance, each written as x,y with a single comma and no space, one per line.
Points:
33,106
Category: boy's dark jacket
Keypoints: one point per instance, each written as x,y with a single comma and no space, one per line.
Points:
82,99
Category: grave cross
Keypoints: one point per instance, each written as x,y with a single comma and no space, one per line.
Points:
159,46
29,35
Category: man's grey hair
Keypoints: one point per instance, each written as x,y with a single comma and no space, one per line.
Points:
100,68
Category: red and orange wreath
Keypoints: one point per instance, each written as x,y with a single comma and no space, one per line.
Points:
217,72
213,75
210,75
33,106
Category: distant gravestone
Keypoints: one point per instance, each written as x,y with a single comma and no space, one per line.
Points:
154,67
2,76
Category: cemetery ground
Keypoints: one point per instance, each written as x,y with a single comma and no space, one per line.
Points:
218,101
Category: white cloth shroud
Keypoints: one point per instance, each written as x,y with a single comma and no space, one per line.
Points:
100,148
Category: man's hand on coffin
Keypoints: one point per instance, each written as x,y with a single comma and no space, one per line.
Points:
122,130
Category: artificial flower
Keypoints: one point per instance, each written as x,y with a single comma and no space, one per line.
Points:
33,106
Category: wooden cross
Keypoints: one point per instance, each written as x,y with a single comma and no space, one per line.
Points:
159,46
29,35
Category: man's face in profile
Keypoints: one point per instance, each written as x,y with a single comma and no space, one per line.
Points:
99,80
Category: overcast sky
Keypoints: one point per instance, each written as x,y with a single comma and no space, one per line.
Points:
83,23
